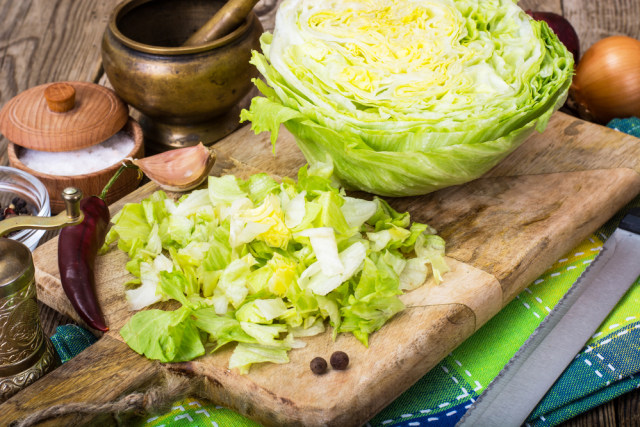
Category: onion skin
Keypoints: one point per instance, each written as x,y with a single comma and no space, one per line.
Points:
607,79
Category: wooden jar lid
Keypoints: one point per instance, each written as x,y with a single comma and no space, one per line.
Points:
63,116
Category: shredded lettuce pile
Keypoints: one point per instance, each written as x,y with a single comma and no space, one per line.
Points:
261,263
408,96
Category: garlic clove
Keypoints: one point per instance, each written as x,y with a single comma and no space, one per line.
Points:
178,170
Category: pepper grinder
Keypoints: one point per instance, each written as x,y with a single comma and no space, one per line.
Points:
26,353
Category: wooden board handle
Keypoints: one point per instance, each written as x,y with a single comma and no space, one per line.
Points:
102,373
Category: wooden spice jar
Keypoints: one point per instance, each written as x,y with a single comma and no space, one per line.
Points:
67,117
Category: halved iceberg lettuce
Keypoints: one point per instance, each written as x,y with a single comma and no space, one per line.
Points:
406,97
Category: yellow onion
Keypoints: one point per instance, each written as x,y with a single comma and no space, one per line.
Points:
178,170
607,79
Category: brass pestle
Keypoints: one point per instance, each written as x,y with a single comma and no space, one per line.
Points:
232,14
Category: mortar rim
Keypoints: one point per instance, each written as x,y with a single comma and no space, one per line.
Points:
128,5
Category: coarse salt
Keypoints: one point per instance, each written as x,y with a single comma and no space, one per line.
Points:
80,162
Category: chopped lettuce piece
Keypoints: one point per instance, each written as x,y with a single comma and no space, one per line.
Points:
259,186
267,222
233,281
147,293
266,334
321,283
316,328
261,310
225,189
262,264
323,243
357,211
295,210
246,355
414,274
222,330
167,336
130,226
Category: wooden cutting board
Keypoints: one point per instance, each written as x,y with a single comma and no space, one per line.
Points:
502,231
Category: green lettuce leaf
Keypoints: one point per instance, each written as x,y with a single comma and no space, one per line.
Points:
246,355
404,98
222,329
259,263
167,336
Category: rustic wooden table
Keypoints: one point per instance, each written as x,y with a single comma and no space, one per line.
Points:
50,40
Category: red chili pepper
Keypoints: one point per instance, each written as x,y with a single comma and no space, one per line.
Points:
78,246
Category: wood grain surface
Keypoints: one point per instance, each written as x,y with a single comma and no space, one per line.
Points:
94,379
502,231
50,40
96,113
43,41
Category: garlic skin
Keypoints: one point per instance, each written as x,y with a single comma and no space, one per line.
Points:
178,170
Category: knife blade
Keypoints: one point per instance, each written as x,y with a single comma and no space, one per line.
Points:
524,381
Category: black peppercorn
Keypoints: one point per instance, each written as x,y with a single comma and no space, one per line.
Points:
18,203
18,206
318,365
339,360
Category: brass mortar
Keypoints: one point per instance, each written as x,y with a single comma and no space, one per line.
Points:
185,94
